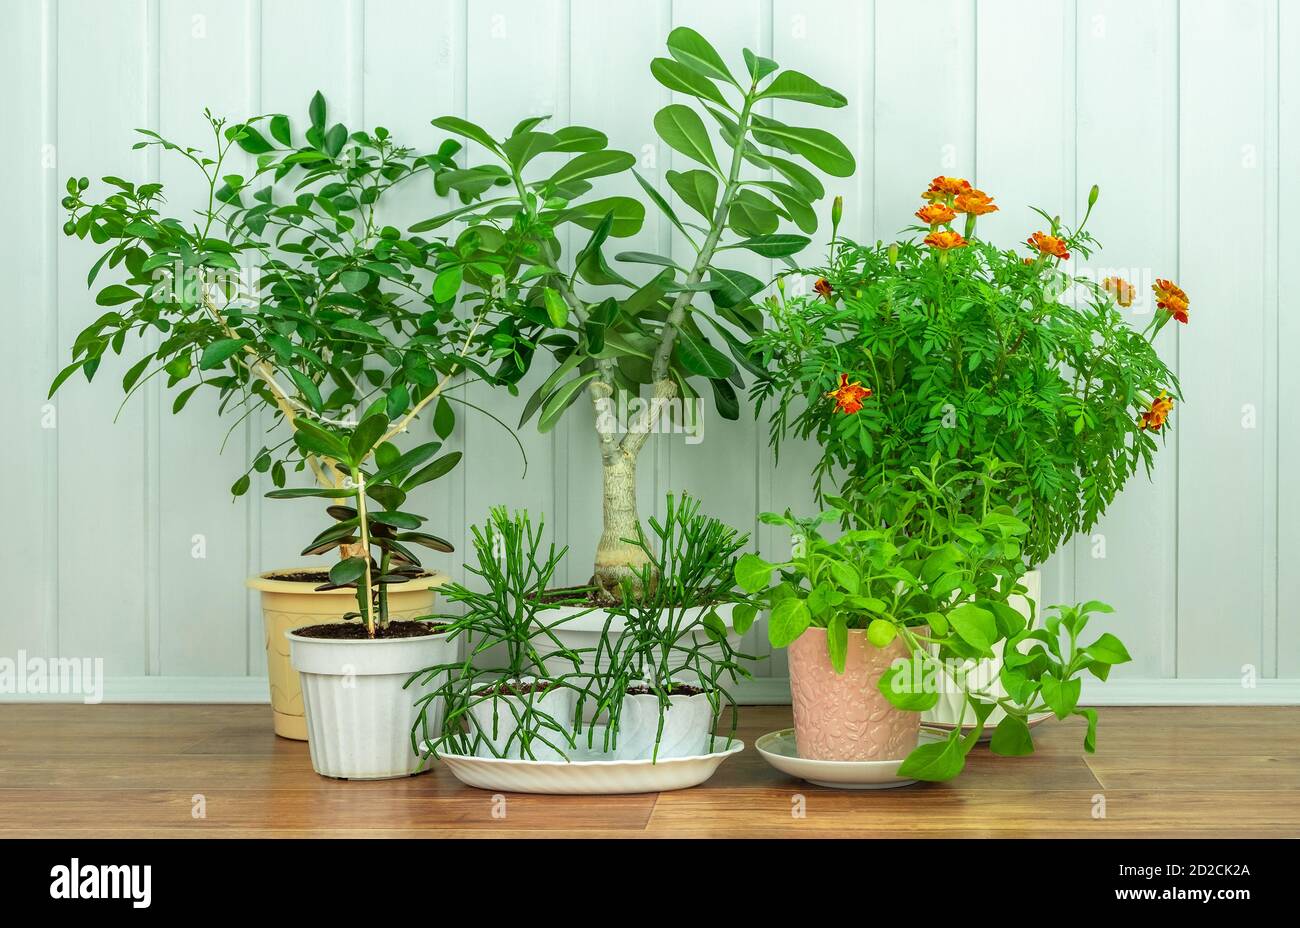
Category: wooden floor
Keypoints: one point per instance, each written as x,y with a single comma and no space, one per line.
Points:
80,771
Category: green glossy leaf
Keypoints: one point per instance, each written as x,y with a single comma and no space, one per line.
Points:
218,352
627,214
697,189
432,471
1012,738
557,310
693,50
699,357
774,246
348,570
789,620
758,66
975,626
935,762
791,85
818,146
681,78
469,130
316,110
365,436
591,164
900,686
683,130
753,574
115,295
560,400
1108,650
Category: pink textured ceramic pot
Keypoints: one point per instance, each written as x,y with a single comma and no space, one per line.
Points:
844,716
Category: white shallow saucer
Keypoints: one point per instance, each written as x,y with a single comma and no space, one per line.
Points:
778,749
588,777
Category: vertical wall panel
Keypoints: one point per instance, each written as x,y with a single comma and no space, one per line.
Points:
306,45
1024,154
31,353
1220,438
1128,145
102,508
515,54
925,103
414,70
1182,112
1288,349
611,89
202,535
801,32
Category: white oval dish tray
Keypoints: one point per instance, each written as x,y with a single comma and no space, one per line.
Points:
589,777
778,749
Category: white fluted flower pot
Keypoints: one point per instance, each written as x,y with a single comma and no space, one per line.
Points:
497,718
688,721
579,628
948,710
359,715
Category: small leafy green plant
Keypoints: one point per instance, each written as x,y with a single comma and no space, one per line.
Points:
917,566
673,638
512,659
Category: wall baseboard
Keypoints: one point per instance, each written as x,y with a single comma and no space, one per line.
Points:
761,691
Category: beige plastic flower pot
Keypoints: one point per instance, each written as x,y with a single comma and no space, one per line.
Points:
290,604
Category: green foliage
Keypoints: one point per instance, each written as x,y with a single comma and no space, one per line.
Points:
672,634
689,321
378,540
924,563
283,290
969,352
510,644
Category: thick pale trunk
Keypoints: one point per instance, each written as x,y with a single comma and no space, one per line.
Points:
616,559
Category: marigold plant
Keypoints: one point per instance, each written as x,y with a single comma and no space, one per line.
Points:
964,350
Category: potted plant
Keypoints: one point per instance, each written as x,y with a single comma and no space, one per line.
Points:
637,350
358,710
284,292
883,618
662,688
952,347
517,692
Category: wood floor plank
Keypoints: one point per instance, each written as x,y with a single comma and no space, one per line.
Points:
76,770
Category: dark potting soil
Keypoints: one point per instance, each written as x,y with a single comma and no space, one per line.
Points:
582,596
312,576
679,690
357,630
507,688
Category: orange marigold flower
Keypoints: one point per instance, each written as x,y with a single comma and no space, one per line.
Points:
945,239
1156,415
975,202
942,188
1171,298
1048,245
1120,289
849,395
933,214
823,286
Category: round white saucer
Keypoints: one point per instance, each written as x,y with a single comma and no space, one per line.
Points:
778,749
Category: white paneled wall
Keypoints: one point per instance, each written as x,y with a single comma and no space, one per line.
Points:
123,543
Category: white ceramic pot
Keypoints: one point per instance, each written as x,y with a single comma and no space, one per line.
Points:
579,628
359,715
499,717
948,710
688,720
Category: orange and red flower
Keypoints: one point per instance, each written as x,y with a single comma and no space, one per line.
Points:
944,240
1171,298
1120,290
1154,418
849,395
933,214
974,202
823,286
1048,245
944,188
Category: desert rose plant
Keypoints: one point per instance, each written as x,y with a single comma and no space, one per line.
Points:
944,344
285,290
658,337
